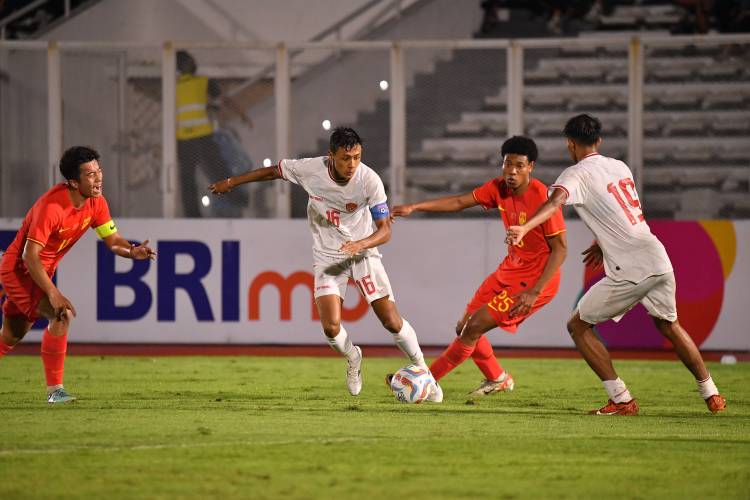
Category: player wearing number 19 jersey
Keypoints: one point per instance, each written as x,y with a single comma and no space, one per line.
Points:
346,198
637,267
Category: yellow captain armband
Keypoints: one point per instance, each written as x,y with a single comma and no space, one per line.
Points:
107,229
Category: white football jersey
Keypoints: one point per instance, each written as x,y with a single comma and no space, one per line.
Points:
337,213
603,193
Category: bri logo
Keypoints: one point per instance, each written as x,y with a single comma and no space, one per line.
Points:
169,280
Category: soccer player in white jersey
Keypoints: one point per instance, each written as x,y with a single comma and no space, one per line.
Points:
637,268
346,197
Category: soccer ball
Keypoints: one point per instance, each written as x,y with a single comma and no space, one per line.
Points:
412,384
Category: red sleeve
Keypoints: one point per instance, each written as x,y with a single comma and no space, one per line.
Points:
487,194
101,212
45,219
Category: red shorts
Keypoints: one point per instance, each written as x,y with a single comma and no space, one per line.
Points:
22,295
498,297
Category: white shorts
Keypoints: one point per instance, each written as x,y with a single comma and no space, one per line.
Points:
609,299
332,275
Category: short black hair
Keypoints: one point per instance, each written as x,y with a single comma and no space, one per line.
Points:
186,62
583,129
73,158
344,137
520,145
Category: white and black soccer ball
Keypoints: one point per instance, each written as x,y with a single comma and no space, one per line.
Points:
412,384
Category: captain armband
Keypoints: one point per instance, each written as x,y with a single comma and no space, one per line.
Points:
379,211
107,229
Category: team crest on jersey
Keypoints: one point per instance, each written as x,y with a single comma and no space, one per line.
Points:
85,222
522,218
351,207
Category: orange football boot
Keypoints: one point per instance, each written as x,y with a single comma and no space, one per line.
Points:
629,408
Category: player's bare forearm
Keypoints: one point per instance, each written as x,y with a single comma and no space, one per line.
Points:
257,175
558,251
446,204
122,247
381,236
36,269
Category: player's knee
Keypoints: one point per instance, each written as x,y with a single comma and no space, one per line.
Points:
9,338
574,326
393,323
667,328
472,331
331,328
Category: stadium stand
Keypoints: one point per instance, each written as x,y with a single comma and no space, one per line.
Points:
696,119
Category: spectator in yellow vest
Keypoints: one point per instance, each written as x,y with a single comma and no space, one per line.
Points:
196,147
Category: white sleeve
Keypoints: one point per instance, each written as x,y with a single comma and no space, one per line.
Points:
574,186
289,170
375,191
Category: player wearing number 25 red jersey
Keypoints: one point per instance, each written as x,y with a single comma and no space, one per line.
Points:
52,226
637,267
526,280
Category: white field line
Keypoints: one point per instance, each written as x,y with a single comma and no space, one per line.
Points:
180,446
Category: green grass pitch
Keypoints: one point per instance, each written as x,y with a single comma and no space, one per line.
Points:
254,427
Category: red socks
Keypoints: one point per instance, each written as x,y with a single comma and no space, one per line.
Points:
454,355
484,357
53,357
4,348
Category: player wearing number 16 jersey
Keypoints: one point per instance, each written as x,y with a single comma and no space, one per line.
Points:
346,198
637,268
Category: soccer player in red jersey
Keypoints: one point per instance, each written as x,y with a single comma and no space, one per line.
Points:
51,227
528,277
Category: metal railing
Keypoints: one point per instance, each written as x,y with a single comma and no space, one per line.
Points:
634,45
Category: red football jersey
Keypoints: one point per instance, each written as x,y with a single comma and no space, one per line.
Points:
57,225
524,262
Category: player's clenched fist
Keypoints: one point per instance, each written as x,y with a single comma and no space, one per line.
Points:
514,235
402,211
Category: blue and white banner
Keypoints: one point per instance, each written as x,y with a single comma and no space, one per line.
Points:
250,282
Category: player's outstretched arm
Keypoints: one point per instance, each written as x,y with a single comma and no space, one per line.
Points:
558,251
516,233
446,204
33,261
257,175
381,236
122,247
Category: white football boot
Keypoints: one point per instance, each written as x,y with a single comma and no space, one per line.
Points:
436,394
354,373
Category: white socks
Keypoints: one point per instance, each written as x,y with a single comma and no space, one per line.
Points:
406,340
707,388
341,343
617,390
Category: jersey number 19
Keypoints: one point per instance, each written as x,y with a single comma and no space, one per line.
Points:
634,212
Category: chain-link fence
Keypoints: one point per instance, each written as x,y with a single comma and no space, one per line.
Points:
456,121
433,115
24,163
697,130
